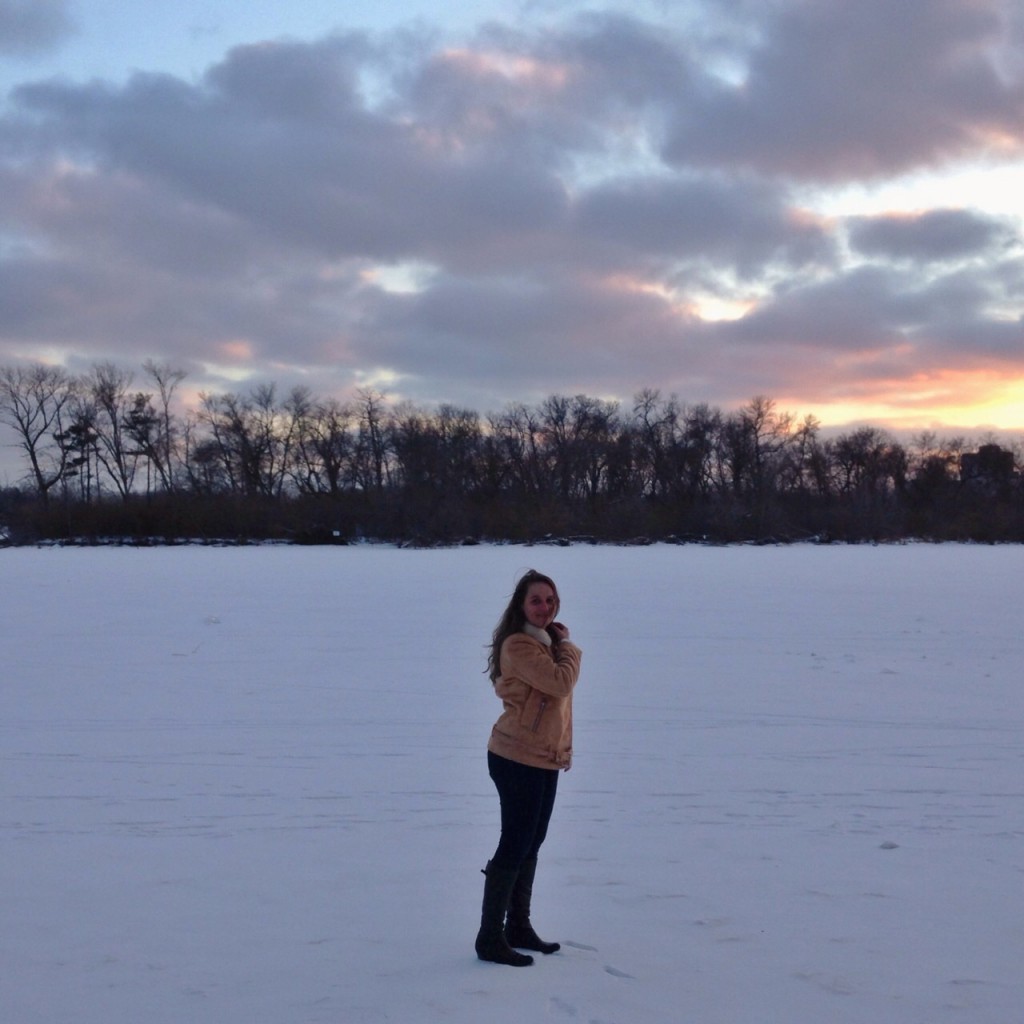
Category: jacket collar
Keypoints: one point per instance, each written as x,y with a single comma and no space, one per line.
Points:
538,634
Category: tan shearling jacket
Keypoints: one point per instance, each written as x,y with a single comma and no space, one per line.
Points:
536,683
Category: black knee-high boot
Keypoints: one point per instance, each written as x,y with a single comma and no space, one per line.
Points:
491,943
518,930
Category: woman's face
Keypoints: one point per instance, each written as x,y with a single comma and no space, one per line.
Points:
539,605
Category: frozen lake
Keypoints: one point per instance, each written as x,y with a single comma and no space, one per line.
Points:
247,786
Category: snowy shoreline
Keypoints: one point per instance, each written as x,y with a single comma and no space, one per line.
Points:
547,542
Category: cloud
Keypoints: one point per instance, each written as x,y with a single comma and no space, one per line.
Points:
835,91
30,27
742,225
601,206
933,236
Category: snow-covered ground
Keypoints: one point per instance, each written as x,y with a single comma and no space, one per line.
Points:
247,786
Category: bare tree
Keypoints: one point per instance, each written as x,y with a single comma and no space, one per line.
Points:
753,439
323,447
591,428
654,424
461,435
439,451
677,446
164,451
108,388
252,436
701,443
370,462
801,469
868,463
518,438
141,426
36,401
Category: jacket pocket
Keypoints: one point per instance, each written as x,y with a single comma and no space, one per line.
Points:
539,714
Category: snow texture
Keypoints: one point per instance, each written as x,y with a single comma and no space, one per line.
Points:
248,786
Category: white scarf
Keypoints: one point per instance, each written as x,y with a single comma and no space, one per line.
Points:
538,634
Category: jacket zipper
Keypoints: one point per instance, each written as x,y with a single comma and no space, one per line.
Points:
540,712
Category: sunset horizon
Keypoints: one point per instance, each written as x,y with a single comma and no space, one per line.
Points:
818,203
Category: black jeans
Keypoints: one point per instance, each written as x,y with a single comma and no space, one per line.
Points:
527,797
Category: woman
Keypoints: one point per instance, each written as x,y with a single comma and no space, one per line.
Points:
534,669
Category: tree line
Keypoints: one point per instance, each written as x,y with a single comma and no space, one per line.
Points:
104,458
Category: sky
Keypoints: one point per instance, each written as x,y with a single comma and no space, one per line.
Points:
815,201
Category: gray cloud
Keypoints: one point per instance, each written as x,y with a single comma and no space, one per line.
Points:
834,90
862,309
934,236
29,27
337,178
739,224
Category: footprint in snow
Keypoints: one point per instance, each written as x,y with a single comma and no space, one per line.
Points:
616,973
563,1007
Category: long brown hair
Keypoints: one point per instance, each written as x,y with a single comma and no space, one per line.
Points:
513,619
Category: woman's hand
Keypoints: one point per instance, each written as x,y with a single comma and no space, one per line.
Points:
558,631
